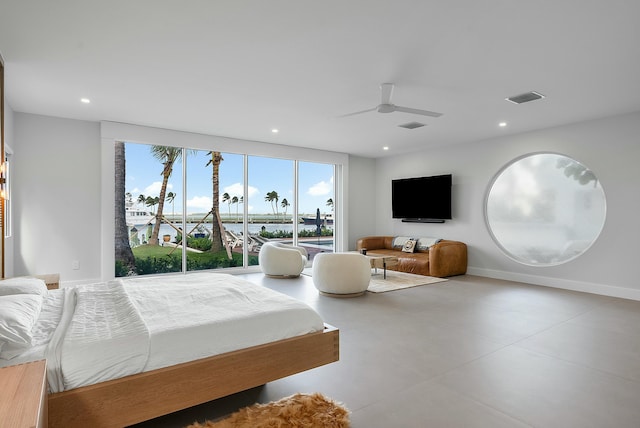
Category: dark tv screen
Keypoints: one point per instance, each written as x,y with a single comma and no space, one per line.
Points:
422,197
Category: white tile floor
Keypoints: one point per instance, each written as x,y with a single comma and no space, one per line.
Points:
469,352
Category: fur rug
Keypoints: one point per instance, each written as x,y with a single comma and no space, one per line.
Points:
297,411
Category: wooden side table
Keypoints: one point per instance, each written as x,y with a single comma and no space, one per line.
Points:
23,396
52,280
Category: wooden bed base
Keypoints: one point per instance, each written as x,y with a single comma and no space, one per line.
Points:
144,396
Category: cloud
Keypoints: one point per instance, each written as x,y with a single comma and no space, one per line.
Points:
321,188
199,204
236,189
153,189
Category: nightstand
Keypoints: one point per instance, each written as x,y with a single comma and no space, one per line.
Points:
23,396
52,280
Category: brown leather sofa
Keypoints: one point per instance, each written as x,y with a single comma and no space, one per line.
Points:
444,258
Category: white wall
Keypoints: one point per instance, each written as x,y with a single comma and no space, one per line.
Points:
610,147
56,197
361,203
8,145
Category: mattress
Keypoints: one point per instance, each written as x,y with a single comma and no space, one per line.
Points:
181,318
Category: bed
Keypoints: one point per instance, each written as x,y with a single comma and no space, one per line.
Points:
175,342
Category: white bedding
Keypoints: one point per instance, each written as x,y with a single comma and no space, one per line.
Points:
169,320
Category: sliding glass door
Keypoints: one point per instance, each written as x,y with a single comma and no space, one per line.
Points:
180,210
316,207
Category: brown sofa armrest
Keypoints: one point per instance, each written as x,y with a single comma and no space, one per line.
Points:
374,242
448,258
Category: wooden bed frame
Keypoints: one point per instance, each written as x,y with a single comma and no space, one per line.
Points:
144,396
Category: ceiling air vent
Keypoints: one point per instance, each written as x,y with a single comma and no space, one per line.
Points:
525,98
412,125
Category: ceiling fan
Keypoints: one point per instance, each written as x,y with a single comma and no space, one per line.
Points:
385,106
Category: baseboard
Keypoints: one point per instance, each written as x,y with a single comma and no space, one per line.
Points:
565,284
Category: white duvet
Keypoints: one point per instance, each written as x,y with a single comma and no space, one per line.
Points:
101,336
128,326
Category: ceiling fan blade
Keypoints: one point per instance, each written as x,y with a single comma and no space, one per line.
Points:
359,112
418,111
386,91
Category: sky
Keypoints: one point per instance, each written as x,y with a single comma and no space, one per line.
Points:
144,176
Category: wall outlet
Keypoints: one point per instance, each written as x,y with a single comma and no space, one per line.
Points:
75,265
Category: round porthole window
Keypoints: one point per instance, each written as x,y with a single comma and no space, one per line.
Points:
545,209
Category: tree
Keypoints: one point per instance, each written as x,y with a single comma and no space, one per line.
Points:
226,198
216,223
285,204
171,198
123,251
167,156
235,200
151,202
272,197
142,199
330,203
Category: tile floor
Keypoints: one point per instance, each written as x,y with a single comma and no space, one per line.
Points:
469,352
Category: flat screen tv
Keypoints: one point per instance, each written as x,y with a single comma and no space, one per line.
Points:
422,199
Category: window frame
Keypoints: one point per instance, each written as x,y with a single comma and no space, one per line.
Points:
113,131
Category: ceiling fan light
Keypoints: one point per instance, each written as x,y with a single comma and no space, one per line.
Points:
386,108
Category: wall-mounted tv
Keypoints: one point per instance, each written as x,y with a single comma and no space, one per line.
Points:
422,199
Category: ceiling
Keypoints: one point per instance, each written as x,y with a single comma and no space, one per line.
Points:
241,68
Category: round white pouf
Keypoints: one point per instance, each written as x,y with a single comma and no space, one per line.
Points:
341,274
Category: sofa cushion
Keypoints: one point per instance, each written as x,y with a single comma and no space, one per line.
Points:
425,242
409,246
399,241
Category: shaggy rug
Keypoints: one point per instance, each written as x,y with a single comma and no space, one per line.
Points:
297,411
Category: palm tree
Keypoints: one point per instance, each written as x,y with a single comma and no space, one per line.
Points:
239,201
271,197
171,199
167,156
330,203
216,223
151,202
142,199
235,200
226,198
123,251
285,204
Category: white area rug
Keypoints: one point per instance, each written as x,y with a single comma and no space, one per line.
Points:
395,280
398,281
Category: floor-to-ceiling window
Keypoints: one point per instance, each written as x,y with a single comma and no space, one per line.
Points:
186,210
214,207
316,207
271,214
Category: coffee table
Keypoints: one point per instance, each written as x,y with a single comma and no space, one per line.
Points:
381,261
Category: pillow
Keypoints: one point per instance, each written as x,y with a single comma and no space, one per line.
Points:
23,285
399,241
409,246
18,314
425,242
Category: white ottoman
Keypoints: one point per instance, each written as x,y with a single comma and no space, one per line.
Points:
341,274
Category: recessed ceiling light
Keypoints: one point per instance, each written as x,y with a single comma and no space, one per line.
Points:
502,124
385,148
275,131
85,100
